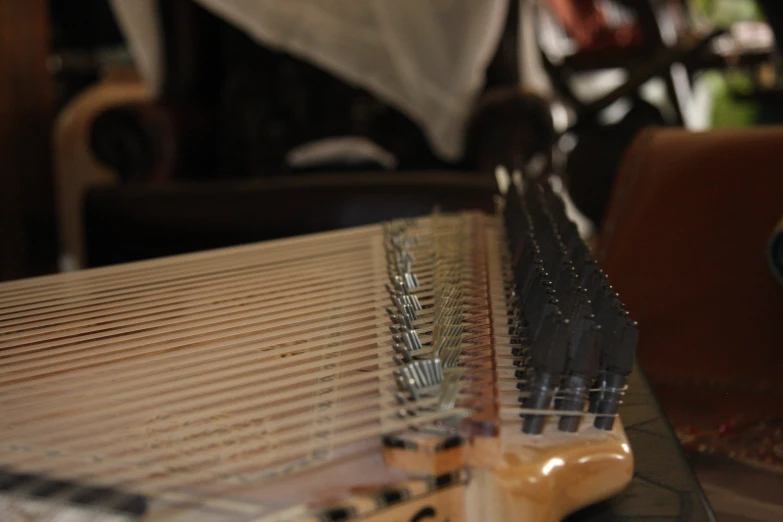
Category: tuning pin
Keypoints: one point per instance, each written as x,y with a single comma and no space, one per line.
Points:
413,301
549,353
549,349
449,394
525,282
404,307
410,339
601,293
415,341
564,279
405,355
617,356
606,401
541,391
408,382
421,377
580,255
584,354
541,299
403,320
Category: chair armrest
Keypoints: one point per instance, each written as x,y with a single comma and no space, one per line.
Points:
76,166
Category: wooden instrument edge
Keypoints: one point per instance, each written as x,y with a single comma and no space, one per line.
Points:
547,483
523,480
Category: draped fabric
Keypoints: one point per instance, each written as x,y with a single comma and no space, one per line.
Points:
427,59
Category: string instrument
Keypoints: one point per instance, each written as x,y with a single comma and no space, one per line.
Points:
449,367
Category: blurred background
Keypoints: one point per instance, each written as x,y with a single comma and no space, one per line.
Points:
136,129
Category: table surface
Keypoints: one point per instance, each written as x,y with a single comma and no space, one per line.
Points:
664,487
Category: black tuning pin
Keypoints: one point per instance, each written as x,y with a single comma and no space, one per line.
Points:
573,242
609,313
559,270
549,245
620,337
524,255
549,353
515,219
528,282
580,255
567,287
582,368
541,301
600,293
571,332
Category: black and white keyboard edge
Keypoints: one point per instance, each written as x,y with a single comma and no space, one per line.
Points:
22,487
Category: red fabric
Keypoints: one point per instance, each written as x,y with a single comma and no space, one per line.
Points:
584,21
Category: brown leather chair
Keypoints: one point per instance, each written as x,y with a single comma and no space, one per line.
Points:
684,243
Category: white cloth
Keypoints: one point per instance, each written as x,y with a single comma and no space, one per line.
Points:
427,58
